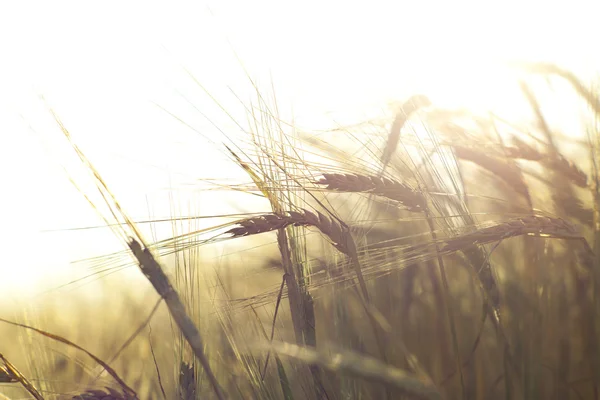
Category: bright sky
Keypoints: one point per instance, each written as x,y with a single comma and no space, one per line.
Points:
103,65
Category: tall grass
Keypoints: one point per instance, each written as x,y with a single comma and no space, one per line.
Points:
445,260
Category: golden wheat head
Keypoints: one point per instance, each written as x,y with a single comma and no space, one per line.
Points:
389,188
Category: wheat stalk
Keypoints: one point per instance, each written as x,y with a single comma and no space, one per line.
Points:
149,267
13,372
272,222
301,304
392,189
414,201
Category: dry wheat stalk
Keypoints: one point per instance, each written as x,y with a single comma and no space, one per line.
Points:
10,368
299,299
530,225
415,202
149,267
392,189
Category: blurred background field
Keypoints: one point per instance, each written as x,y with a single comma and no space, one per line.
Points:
424,151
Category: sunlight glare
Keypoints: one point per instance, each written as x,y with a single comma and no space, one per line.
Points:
105,67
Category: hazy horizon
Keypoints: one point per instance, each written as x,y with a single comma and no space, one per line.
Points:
107,71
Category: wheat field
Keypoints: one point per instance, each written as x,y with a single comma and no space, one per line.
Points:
430,253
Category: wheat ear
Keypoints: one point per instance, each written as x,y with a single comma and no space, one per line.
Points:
161,283
408,108
339,234
507,172
95,394
413,386
19,377
532,225
187,382
557,161
392,189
